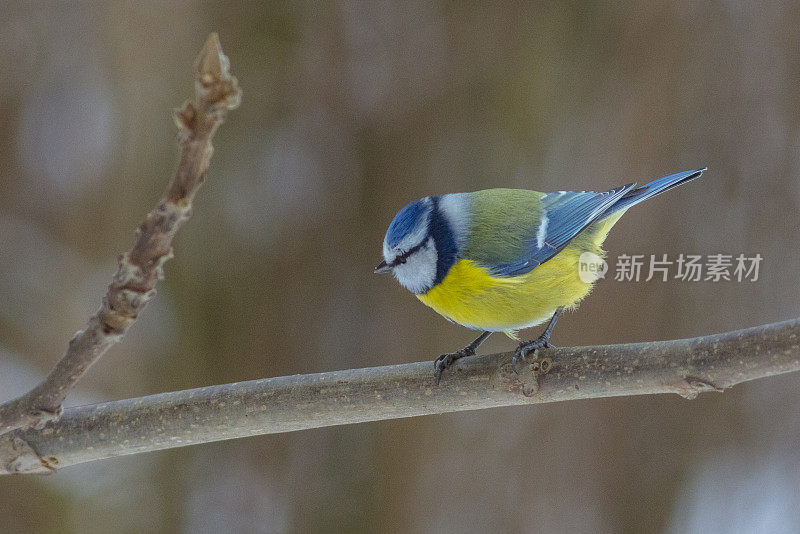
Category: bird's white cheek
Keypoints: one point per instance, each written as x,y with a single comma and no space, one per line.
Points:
418,273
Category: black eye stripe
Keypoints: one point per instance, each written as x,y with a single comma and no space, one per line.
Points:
404,256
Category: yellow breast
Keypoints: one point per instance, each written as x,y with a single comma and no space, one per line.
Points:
470,296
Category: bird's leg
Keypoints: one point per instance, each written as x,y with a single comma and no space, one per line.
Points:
446,360
541,342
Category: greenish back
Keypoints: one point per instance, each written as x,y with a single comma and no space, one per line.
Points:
504,221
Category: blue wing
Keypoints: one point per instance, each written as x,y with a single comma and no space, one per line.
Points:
565,214
656,187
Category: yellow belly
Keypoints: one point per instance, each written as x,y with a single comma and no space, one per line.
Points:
470,296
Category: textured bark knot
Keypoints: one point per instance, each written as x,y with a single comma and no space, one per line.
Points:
21,458
525,375
184,118
126,271
45,415
692,386
134,300
159,265
172,214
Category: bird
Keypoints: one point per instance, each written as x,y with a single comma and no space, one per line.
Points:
502,260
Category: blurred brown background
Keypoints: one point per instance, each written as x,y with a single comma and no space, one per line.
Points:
349,111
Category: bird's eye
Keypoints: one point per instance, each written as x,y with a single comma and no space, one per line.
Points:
403,256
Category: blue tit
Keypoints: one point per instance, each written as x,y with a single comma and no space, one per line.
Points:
501,260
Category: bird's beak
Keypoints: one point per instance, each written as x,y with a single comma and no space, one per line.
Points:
383,267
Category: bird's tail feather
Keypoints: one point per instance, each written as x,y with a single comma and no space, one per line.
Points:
656,187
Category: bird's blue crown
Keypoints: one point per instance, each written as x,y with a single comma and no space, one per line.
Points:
405,221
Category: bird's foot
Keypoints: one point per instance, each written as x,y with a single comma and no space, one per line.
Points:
446,360
528,347
538,366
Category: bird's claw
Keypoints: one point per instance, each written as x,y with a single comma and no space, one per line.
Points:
530,347
440,364
446,360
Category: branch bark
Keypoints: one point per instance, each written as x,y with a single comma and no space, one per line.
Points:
140,269
686,367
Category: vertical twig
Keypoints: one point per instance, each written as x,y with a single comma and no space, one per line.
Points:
140,269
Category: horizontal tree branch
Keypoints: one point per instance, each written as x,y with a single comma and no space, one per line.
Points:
686,367
140,269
